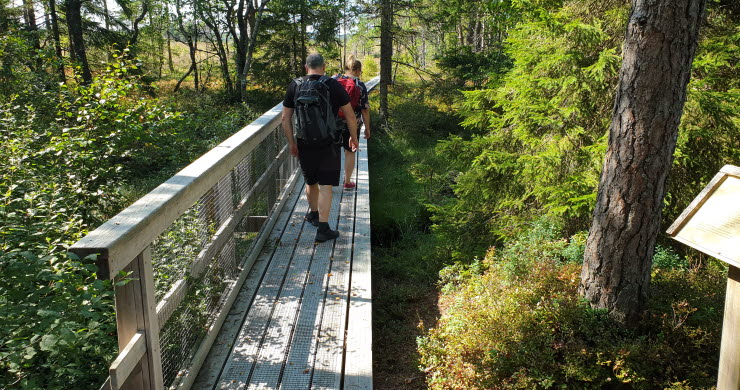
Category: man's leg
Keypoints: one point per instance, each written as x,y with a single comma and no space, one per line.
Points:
324,232
312,194
349,165
324,202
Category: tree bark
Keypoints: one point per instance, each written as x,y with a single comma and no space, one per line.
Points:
213,23
190,38
660,43
57,39
73,11
29,14
170,64
386,55
247,16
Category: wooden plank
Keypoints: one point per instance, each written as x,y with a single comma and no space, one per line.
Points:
224,334
127,234
302,352
700,199
728,377
327,370
170,301
731,170
696,204
135,312
150,321
358,372
242,358
127,360
271,360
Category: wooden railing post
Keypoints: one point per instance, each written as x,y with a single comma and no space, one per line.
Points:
136,316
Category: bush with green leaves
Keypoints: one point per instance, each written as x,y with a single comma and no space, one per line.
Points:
520,323
65,165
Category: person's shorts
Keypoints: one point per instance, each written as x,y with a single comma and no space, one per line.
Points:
319,164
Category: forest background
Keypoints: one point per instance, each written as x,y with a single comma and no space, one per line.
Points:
495,128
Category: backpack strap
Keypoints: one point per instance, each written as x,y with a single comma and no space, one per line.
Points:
299,114
330,117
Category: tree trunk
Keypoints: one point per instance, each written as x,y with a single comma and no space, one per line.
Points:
248,18
170,64
660,43
386,55
135,36
29,14
73,11
56,38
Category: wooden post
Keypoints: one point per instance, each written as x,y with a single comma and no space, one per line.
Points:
136,312
729,355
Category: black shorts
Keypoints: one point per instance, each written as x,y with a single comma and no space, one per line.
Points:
319,164
345,138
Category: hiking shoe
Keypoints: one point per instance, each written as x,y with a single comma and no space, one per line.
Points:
312,217
325,233
350,185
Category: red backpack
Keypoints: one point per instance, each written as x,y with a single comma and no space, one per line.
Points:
353,90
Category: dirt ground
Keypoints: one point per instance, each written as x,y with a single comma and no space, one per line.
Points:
395,329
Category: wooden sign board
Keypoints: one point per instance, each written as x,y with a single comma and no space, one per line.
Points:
711,223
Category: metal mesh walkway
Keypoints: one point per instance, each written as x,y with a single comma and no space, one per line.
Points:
302,319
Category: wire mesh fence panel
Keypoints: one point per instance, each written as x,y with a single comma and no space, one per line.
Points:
199,258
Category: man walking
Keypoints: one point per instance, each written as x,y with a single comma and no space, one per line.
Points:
316,100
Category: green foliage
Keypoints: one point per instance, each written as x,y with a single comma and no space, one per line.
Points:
520,323
58,326
468,65
545,127
667,258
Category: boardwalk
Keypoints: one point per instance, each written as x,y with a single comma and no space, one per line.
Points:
302,318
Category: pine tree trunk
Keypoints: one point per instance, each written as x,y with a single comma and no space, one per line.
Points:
73,11
170,64
29,14
386,55
660,43
56,38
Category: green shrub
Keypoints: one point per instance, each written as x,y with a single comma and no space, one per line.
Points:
59,329
521,324
65,164
667,258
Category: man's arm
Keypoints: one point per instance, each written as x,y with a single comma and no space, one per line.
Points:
366,121
349,115
287,120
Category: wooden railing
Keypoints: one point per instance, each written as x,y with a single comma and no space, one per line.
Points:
195,237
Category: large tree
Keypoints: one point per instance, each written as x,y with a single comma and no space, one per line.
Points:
78,52
386,54
659,48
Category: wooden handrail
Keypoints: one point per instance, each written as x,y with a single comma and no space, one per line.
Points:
124,236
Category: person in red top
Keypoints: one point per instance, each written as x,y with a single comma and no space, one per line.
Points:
353,69
320,164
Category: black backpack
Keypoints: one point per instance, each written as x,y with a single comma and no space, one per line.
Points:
314,121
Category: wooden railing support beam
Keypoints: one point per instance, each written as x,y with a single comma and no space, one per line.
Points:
136,317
